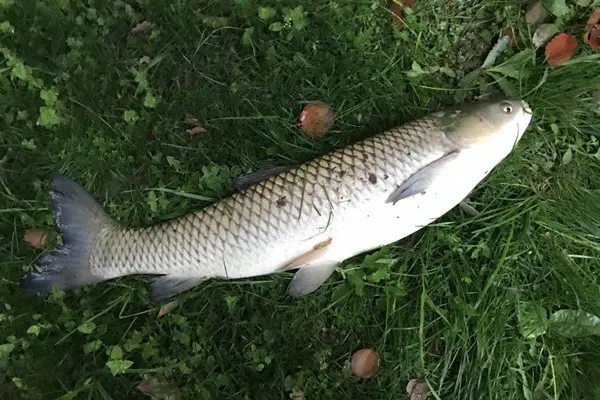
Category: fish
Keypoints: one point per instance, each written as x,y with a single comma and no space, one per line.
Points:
307,218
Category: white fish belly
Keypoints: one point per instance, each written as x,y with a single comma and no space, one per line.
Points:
374,223
381,223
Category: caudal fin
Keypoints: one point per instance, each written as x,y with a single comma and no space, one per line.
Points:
79,218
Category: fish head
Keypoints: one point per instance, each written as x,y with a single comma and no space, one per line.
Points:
495,123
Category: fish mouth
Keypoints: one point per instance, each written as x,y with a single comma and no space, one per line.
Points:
526,107
524,121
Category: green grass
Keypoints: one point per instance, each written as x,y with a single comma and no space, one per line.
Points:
443,305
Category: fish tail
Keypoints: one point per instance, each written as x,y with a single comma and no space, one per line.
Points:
80,218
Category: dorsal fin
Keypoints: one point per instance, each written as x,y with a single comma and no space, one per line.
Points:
245,181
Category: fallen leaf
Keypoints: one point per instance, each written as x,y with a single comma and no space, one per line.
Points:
417,390
513,38
297,394
167,308
435,347
543,33
142,27
592,38
38,237
191,120
592,33
560,49
316,119
145,387
365,363
536,13
156,389
151,135
594,18
196,130
397,7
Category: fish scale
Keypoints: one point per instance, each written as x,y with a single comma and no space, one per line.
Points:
310,218
243,229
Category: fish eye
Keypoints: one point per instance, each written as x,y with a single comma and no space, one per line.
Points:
506,108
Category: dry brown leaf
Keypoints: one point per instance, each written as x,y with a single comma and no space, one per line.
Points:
536,13
592,38
167,308
365,363
592,34
38,237
145,387
195,127
513,38
594,18
435,347
154,388
196,130
297,394
142,27
417,390
191,120
560,49
151,135
316,119
397,7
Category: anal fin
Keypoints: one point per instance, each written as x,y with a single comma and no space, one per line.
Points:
168,285
314,269
310,278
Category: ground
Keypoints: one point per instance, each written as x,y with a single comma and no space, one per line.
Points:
500,305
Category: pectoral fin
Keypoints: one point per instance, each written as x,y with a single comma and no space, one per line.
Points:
422,179
167,286
310,278
245,181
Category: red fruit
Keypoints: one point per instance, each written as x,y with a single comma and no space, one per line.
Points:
316,119
365,363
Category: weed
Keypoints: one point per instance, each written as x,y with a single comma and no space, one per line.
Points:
479,306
